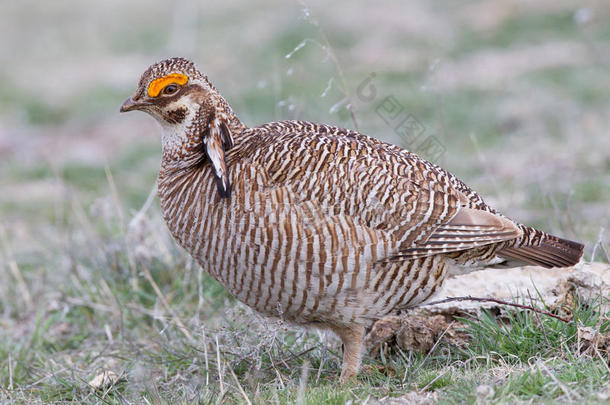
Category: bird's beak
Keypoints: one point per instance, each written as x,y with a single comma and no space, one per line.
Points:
128,105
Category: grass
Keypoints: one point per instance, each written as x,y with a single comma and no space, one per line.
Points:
98,317
522,28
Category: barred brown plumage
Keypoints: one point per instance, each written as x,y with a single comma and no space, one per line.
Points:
316,224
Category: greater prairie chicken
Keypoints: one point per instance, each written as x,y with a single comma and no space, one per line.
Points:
318,225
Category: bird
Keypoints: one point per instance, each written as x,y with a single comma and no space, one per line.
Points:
318,225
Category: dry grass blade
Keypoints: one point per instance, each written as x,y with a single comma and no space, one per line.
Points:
220,371
10,372
14,267
568,392
331,53
241,389
122,223
166,305
205,357
303,383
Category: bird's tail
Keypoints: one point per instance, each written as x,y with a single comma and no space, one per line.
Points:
541,249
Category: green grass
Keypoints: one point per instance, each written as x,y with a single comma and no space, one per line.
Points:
584,86
95,310
521,28
522,356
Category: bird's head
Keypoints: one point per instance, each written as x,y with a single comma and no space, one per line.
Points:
196,120
170,91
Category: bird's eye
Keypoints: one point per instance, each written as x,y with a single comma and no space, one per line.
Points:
170,89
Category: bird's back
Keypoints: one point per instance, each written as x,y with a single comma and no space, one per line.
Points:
393,189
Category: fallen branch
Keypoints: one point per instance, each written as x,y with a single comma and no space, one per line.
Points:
501,302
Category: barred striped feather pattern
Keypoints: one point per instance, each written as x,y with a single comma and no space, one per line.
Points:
324,224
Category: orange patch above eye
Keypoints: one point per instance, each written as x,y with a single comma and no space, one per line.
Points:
155,87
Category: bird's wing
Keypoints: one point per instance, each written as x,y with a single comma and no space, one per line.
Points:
380,186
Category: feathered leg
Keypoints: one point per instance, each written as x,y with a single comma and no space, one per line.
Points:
351,337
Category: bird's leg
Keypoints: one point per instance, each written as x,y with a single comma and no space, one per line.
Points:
352,349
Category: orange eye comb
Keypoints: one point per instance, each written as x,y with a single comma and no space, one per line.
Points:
155,87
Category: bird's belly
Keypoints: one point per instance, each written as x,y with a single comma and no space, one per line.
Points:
306,273
334,292
406,284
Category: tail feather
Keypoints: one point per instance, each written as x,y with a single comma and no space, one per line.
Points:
545,250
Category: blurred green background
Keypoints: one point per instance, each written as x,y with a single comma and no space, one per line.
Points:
517,93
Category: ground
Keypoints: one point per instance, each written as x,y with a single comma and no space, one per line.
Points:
509,95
